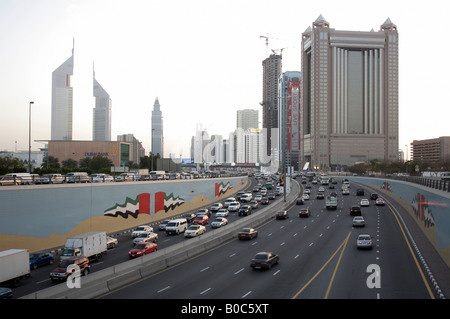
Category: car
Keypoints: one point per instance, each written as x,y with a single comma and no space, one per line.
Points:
345,191
101,178
304,212
162,225
253,204
145,237
374,196
64,269
305,196
245,210
271,196
245,198
216,206
200,220
142,249
264,260
320,196
321,189
282,215
258,197
219,222
189,217
44,179
40,258
204,211
223,212
358,221
195,230
264,201
111,242
247,233
228,201
355,211
379,201
256,189
5,293
10,180
365,202
360,192
141,229
364,241
307,191
300,201
234,206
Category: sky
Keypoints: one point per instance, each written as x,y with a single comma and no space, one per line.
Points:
201,58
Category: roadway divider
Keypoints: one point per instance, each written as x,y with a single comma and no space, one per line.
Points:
107,280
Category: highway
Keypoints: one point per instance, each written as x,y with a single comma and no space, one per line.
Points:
318,260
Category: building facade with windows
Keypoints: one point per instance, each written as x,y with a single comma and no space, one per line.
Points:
62,101
435,151
101,130
157,130
349,95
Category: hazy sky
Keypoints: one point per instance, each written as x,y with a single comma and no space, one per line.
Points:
201,58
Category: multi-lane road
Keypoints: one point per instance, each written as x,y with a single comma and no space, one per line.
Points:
318,259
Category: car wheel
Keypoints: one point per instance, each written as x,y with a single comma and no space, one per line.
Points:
35,266
85,271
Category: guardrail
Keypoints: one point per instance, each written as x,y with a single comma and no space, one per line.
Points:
109,279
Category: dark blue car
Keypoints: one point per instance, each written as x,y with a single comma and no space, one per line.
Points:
40,258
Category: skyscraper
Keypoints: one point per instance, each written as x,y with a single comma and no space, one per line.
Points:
246,120
271,74
289,117
62,101
157,130
102,114
349,95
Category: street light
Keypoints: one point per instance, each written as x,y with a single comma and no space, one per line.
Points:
29,138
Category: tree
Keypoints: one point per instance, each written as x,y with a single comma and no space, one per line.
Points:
69,163
50,162
99,163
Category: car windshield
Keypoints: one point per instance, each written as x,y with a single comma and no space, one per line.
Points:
245,230
364,237
140,228
218,220
140,246
193,227
280,213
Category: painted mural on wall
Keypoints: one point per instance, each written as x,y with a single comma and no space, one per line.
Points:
149,204
42,217
429,209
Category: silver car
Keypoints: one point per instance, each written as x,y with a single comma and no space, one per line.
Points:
364,241
358,221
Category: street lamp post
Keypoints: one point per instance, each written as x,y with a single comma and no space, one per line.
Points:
29,138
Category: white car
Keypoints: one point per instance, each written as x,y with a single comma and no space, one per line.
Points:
305,196
307,191
222,212
216,207
258,198
194,230
365,202
219,222
358,221
141,229
100,178
111,242
228,201
234,206
364,241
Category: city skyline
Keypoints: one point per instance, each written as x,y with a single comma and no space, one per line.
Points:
139,58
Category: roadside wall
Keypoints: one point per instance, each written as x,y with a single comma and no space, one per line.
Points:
40,217
429,208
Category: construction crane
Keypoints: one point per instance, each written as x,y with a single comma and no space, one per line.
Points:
267,44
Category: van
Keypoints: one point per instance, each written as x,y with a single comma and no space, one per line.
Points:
176,226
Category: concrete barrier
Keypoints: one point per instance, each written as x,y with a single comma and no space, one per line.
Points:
111,278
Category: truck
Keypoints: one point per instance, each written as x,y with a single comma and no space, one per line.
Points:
91,245
331,202
14,266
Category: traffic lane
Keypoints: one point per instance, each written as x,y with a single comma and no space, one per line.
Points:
228,266
388,271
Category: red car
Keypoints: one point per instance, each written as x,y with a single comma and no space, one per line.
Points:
142,249
247,233
200,220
